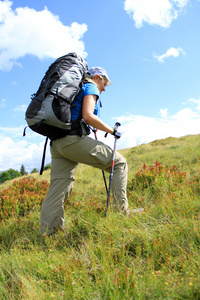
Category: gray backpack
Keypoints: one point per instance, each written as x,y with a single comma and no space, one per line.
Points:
49,112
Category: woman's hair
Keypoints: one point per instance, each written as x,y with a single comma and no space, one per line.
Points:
87,75
89,78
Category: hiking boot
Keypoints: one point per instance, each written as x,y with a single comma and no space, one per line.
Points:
128,212
138,210
134,211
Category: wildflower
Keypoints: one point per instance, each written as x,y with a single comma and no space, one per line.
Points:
166,283
52,295
190,283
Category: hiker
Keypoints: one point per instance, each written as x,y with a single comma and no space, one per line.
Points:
67,152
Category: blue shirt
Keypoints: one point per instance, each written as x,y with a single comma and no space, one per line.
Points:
87,89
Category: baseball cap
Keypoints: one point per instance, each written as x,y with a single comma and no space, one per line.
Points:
99,71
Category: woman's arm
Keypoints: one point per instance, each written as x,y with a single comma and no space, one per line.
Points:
91,119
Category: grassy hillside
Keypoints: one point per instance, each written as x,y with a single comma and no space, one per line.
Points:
151,255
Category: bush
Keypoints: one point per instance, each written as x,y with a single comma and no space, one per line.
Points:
159,180
21,197
34,171
47,167
8,175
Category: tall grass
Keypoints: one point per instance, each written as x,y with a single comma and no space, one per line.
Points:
151,255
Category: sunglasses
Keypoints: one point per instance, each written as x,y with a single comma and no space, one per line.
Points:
104,80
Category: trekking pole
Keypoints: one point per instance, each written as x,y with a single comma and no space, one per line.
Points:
112,167
104,177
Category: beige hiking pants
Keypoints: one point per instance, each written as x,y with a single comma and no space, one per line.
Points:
66,153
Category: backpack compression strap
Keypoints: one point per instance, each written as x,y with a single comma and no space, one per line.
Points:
43,157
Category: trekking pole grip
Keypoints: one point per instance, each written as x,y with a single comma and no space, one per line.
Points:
117,124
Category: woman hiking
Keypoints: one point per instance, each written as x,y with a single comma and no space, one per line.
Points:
77,147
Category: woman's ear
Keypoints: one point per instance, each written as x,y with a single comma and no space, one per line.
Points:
96,76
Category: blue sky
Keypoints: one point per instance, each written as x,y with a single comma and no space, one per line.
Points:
150,50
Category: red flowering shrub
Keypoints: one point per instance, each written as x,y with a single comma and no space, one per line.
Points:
150,175
157,179
21,197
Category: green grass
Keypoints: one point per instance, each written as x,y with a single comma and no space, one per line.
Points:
152,255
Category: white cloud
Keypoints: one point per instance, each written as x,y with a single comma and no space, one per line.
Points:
195,101
174,52
27,31
140,129
14,132
15,153
16,150
185,114
154,12
20,108
164,112
137,130
3,103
